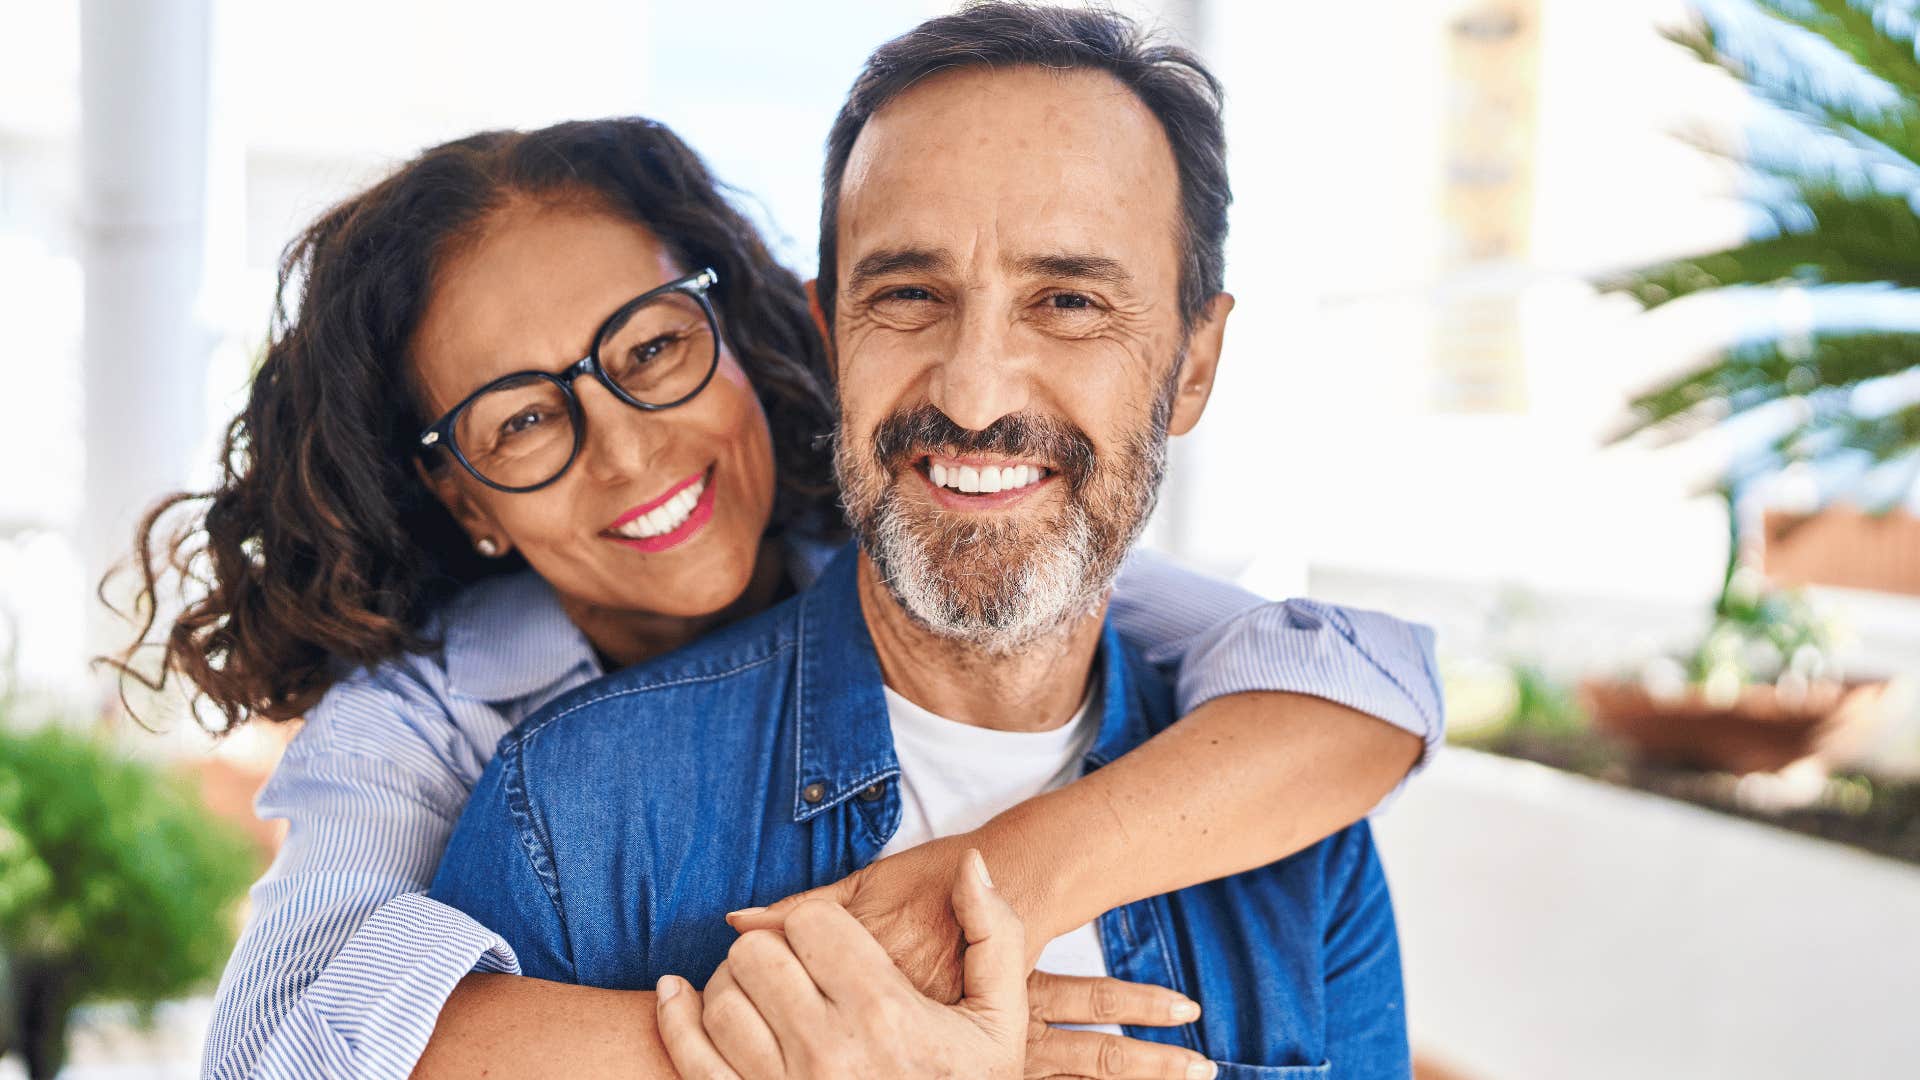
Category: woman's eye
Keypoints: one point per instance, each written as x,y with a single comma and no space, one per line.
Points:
648,350
522,422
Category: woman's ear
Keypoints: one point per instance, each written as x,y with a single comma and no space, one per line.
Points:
1203,362
820,324
487,536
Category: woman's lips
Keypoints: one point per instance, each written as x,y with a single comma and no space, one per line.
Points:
697,516
664,498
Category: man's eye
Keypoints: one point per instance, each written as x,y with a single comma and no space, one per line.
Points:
907,292
1071,301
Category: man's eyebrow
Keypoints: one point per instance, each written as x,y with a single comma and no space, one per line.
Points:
895,261
1079,265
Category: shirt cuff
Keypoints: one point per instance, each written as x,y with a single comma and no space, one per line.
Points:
371,1012
1365,660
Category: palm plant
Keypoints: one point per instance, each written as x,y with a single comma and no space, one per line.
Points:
1840,210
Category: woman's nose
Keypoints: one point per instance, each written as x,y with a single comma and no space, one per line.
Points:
620,440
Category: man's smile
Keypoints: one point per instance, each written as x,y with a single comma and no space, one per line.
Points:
980,482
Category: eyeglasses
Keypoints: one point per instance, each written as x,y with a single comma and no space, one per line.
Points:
520,432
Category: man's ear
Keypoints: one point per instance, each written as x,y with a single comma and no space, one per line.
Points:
1203,361
820,324
453,495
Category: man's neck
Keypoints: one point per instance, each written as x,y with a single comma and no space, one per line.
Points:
1034,688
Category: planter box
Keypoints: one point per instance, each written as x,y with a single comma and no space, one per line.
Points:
1760,732
1559,927
1844,547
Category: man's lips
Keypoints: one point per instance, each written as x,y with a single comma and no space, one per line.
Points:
975,482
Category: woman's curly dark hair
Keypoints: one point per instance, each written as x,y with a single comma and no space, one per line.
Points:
320,549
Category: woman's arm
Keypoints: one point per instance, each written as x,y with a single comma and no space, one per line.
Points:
1241,782
1299,718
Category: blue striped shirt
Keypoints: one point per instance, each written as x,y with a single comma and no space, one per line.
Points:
345,963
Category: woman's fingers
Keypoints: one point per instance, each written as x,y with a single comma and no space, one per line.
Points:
737,1029
676,1006
777,983
1078,999
1056,1052
774,917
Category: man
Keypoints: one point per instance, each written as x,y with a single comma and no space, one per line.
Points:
1021,276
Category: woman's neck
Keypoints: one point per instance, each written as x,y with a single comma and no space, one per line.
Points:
624,638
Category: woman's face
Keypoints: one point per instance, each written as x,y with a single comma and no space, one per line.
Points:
528,294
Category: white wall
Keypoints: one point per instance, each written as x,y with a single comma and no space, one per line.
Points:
1556,927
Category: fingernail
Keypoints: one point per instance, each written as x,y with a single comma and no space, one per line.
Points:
1185,1011
1202,1070
744,912
667,987
980,867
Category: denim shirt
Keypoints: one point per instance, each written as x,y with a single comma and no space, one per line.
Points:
615,828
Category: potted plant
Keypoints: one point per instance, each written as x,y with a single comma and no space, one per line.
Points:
115,884
1761,693
1842,213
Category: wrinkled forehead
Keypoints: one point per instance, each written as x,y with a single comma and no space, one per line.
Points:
1012,162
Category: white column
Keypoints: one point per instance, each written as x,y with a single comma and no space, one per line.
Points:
144,117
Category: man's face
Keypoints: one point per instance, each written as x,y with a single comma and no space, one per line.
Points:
1009,344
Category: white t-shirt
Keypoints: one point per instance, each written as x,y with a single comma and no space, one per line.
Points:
954,777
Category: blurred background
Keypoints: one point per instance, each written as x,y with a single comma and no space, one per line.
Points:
1581,331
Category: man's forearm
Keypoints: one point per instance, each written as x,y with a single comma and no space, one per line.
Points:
1241,782
508,1025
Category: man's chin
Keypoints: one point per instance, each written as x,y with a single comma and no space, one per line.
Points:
997,589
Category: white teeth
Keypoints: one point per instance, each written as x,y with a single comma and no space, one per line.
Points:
666,517
984,480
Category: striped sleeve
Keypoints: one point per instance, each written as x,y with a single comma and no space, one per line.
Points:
1226,640
343,966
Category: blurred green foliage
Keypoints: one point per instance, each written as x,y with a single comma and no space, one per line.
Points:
112,869
1842,214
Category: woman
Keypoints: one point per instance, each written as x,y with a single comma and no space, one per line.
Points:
451,498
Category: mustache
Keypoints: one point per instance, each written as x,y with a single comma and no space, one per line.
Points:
924,429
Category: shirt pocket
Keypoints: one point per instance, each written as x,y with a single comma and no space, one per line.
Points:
1230,1070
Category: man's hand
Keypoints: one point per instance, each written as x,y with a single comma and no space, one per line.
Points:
821,998
754,1047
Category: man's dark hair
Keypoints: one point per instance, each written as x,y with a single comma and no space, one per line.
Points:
1170,81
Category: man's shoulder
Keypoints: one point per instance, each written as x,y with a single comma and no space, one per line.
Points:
671,689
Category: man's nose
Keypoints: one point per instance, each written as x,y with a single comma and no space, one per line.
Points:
620,439
985,375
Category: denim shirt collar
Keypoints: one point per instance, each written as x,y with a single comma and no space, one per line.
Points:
844,738
507,638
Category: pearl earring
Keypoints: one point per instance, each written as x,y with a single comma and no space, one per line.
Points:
487,547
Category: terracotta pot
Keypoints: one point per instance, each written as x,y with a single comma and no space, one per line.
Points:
1844,547
1758,733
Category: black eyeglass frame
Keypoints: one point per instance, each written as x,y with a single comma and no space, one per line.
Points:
441,431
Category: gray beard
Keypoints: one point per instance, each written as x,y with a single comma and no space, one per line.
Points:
998,589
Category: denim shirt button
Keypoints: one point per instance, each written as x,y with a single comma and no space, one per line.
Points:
814,792
872,792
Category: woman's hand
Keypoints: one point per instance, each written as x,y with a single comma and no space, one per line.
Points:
822,999
905,902
894,894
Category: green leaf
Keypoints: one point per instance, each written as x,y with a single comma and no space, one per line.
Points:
1762,372
1833,236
